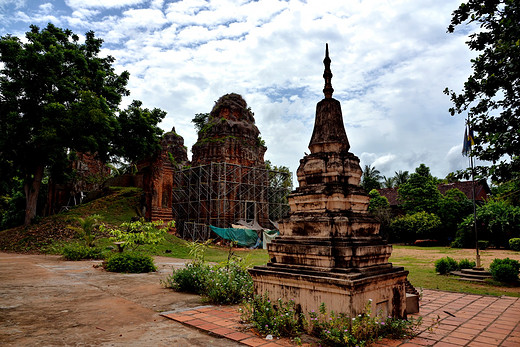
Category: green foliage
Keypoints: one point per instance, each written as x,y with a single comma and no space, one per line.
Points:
370,178
135,234
138,134
280,186
420,192
86,228
275,318
453,207
420,225
377,201
380,209
508,191
401,177
483,244
446,265
514,244
58,96
78,252
229,282
130,262
341,330
505,270
497,222
190,279
491,93
200,120
12,204
466,264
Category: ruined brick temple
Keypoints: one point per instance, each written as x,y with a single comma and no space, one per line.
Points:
227,181
330,250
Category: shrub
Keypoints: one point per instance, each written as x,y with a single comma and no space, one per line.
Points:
420,225
514,244
342,330
130,263
78,252
228,283
504,270
466,264
276,318
225,283
446,265
190,279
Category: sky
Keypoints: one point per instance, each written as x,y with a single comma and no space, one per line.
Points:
391,61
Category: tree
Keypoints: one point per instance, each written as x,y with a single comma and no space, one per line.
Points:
280,186
138,135
454,206
420,192
370,178
401,177
58,97
388,182
491,95
379,207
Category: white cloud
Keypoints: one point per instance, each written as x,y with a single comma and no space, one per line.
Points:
390,60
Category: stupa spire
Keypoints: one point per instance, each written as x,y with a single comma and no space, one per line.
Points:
327,74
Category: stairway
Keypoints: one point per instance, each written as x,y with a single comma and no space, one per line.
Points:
474,275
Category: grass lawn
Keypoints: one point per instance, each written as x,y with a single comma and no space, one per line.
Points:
419,261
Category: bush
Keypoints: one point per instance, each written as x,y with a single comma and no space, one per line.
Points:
228,283
275,318
420,225
79,252
446,265
505,270
466,264
225,283
190,279
130,263
341,330
514,244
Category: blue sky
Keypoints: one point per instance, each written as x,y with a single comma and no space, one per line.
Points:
391,61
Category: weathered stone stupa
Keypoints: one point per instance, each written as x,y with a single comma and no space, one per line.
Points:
330,250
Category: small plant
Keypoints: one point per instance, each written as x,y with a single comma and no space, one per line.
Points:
130,262
446,265
466,264
505,270
86,228
135,234
275,318
514,244
341,330
77,251
226,283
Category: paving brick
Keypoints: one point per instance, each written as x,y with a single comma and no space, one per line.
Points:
237,336
455,341
223,331
254,341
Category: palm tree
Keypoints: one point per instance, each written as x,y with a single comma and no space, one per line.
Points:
388,182
401,177
370,179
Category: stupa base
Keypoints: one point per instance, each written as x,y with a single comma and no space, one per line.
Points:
347,293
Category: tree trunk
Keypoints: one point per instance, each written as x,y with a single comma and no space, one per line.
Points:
32,189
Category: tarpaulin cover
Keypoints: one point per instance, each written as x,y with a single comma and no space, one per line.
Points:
243,237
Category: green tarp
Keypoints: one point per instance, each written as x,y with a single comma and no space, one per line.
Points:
243,237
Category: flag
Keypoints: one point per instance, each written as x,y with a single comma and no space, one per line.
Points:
468,141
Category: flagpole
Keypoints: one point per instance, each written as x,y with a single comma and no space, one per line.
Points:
478,264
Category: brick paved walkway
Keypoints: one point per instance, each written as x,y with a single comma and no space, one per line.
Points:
463,320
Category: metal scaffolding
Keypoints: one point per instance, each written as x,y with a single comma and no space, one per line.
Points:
220,194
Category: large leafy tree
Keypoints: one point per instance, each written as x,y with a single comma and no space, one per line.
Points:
420,192
491,95
57,96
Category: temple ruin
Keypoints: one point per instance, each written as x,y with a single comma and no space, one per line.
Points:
329,250
227,181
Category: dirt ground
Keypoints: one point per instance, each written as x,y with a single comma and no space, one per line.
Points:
46,301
